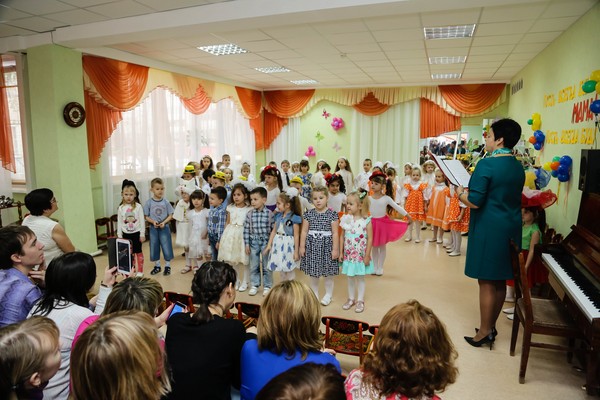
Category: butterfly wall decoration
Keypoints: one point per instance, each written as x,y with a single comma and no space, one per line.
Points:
336,147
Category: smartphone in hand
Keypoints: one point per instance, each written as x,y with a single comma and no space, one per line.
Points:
178,308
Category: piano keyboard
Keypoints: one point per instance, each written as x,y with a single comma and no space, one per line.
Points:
575,283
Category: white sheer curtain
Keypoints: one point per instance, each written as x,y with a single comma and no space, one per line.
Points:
287,144
159,137
391,136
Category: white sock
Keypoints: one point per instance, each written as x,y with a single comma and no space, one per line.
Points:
418,230
314,285
329,286
361,287
351,287
381,258
375,257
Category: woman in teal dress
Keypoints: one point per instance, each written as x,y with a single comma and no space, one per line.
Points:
494,197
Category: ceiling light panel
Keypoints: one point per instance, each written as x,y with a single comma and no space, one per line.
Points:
445,76
449,32
448,60
304,82
223,49
272,70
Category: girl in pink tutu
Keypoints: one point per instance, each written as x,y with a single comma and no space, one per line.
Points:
385,229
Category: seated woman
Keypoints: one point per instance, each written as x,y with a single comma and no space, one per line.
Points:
203,348
68,280
119,357
305,381
29,357
41,204
412,357
288,335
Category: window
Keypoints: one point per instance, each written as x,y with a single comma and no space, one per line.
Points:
12,94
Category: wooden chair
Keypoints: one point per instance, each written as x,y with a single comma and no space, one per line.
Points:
373,329
248,313
103,230
172,297
538,316
346,336
114,223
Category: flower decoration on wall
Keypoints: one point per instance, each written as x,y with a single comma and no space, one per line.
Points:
325,114
319,136
337,123
310,152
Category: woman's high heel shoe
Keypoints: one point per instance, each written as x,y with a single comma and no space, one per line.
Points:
494,331
488,339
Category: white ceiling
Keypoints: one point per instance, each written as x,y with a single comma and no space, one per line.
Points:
339,43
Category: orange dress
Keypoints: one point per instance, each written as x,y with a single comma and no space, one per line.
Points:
437,204
454,211
415,200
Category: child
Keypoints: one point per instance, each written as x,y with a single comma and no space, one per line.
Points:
130,222
207,163
226,160
458,217
355,248
272,178
296,168
187,180
218,180
296,182
396,193
285,236
362,179
385,229
437,206
286,174
199,248
416,195
257,228
412,357
429,172
217,217
408,167
245,170
29,357
198,173
228,177
208,180
306,180
231,248
159,212
337,193
319,244
317,178
182,223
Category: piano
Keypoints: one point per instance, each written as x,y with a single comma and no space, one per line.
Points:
574,274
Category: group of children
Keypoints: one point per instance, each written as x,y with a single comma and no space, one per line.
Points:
293,219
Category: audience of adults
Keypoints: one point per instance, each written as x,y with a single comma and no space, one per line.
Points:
288,335
494,196
20,253
41,204
203,348
68,280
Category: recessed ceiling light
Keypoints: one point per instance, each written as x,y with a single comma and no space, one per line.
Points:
448,60
272,70
223,49
304,82
449,32
446,76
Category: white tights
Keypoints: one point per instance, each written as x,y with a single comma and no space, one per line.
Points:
289,276
456,241
314,285
360,282
239,268
438,234
378,254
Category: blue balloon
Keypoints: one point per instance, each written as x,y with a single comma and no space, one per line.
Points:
537,172
541,137
566,160
537,146
563,169
554,173
595,107
563,177
543,178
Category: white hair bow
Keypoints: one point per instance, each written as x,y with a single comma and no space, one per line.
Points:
291,192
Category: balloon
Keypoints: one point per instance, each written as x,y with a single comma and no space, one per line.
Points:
532,140
537,172
566,160
543,178
530,179
554,165
537,146
589,86
554,174
563,177
555,158
595,107
595,76
541,137
529,121
537,124
307,153
310,148
563,169
547,166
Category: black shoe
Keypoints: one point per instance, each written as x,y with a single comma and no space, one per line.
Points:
494,331
155,270
482,342
167,271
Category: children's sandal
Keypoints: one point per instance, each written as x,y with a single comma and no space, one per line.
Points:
360,306
348,304
186,269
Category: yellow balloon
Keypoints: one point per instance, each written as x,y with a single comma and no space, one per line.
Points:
547,166
595,76
598,87
530,180
535,116
537,124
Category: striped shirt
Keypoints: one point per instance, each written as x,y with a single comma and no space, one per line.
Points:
217,217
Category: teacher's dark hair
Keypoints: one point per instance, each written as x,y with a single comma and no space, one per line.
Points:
208,284
507,129
305,381
39,200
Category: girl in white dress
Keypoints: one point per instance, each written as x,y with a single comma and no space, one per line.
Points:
231,247
343,169
198,246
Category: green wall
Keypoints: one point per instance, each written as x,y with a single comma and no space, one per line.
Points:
551,87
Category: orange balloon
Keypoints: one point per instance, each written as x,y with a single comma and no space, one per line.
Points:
554,165
532,140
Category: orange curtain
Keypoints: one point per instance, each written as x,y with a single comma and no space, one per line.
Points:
472,99
371,106
251,101
435,120
273,125
101,121
198,104
287,103
7,155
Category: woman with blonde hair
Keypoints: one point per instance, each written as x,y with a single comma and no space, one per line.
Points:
109,350
288,335
29,357
412,357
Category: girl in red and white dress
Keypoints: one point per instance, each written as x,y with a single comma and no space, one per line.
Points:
416,194
385,229
458,223
437,206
